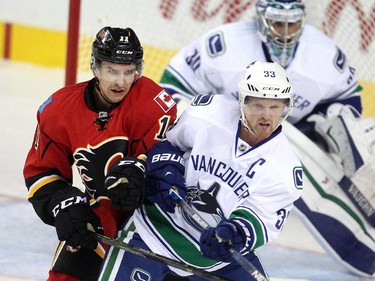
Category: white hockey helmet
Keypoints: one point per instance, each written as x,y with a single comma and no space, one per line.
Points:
267,80
270,15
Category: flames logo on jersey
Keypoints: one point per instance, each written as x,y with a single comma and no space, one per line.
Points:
93,163
205,201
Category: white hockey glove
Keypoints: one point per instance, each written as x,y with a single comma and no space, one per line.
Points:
347,135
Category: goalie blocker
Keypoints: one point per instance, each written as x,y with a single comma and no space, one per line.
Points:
327,211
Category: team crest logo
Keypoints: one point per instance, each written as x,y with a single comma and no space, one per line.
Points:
93,163
340,60
216,46
205,202
202,100
298,175
140,275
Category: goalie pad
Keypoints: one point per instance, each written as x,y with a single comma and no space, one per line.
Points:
350,139
347,135
326,210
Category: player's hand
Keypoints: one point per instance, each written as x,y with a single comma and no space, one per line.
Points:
217,242
125,183
73,216
165,170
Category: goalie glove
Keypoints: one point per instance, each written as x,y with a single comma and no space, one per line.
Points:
218,242
74,218
165,170
125,183
346,135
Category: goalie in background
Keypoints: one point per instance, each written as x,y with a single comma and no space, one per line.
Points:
232,162
327,103
104,126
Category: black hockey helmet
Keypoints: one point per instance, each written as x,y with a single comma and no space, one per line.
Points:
117,45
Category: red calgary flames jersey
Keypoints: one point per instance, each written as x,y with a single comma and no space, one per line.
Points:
72,130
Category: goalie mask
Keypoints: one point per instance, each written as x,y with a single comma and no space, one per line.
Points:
280,24
117,45
265,80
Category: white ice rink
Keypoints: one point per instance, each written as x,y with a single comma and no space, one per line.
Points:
27,245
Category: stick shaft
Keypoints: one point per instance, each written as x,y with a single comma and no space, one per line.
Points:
159,258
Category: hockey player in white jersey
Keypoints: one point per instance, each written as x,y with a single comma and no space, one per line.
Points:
327,108
233,164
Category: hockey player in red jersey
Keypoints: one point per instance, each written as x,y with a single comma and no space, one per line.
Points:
105,127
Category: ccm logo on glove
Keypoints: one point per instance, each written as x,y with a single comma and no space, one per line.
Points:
69,202
135,163
125,183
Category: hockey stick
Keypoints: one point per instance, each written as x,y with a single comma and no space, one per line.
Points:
241,260
159,258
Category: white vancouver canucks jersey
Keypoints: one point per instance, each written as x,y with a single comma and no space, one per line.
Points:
215,62
226,178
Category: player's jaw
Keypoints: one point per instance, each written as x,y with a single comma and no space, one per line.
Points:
114,92
262,128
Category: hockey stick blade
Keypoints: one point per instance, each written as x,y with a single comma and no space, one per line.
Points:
241,260
159,258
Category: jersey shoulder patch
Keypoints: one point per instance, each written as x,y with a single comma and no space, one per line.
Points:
45,103
164,100
298,176
202,100
216,44
339,60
